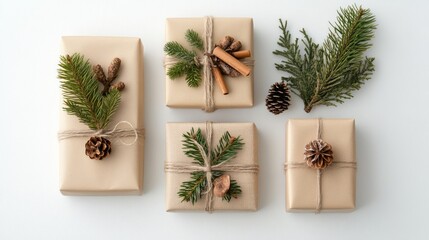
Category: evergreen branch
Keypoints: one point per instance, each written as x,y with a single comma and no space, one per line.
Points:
178,70
191,150
188,62
82,97
226,149
329,74
193,76
193,190
80,89
176,49
194,39
110,104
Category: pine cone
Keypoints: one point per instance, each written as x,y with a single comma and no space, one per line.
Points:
278,98
119,85
99,73
235,46
318,154
226,42
98,148
113,70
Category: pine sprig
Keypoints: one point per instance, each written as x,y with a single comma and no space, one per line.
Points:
187,59
328,74
227,148
190,148
191,191
194,39
82,97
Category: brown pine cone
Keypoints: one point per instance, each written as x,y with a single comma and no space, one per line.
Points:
318,154
99,73
113,70
278,98
226,42
98,148
235,46
119,85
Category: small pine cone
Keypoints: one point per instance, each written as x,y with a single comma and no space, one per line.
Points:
119,85
98,148
99,73
113,70
224,68
235,46
278,98
318,154
234,73
226,42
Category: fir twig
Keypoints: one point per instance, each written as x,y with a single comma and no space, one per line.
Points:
227,148
328,74
82,97
187,59
194,39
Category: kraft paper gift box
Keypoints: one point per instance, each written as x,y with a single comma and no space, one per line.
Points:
248,181
122,171
179,95
337,181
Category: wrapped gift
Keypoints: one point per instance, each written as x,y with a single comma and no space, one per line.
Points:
240,171
121,171
320,165
236,91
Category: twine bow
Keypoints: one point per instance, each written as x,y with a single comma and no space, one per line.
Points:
338,164
208,168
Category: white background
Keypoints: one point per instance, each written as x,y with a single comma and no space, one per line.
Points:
391,112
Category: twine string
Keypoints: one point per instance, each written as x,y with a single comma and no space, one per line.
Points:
114,133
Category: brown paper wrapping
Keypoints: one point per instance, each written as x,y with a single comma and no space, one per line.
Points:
338,184
178,94
248,199
121,172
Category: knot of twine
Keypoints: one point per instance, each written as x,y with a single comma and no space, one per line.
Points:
337,164
114,133
208,168
206,62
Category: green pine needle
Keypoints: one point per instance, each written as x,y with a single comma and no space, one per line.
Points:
194,39
186,64
328,74
227,148
82,97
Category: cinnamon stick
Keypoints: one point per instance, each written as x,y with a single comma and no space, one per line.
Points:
217,74
241,54
231,61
